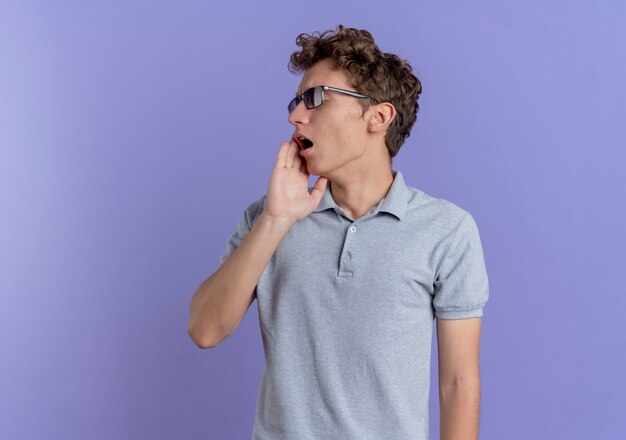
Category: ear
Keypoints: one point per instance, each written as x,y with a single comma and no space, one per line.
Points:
381,116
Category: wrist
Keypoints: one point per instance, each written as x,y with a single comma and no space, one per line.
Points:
275,222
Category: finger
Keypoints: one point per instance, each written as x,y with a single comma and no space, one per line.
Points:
281,157
303,167
293,149
297,160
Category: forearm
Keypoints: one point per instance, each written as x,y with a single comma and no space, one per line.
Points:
221,301
460,409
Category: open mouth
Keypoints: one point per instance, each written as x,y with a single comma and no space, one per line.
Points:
304,142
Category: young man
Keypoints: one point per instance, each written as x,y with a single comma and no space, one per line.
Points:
350,274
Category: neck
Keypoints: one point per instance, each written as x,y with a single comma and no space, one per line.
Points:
358,193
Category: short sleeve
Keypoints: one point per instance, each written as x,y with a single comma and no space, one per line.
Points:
461,288
250,215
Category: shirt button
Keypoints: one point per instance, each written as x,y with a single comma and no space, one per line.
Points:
353,228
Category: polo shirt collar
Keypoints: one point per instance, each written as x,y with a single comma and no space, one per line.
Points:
394,203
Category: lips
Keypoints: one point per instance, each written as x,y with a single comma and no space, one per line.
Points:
303,141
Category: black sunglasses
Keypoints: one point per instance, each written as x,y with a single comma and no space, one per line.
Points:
314,97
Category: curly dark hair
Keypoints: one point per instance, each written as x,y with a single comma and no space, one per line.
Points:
383,76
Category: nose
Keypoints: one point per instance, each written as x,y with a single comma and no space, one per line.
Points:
299,115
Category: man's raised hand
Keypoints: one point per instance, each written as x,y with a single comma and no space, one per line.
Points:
288,192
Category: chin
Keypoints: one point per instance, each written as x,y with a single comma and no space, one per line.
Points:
313,171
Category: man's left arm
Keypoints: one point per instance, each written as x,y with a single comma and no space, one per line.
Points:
459,378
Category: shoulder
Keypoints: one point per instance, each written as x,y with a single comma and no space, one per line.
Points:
440,212
255,209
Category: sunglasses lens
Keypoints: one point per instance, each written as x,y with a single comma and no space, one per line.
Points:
309,98
313,97
293,104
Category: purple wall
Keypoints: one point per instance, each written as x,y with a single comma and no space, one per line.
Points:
133,135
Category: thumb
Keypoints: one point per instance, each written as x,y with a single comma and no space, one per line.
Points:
319,188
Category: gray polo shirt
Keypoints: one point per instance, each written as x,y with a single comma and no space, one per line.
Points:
346,310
